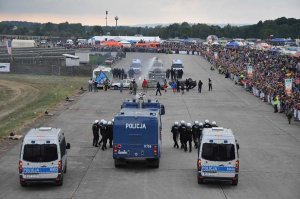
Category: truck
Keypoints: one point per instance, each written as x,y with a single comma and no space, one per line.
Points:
102,74
136,66
156,72
177,64
137,132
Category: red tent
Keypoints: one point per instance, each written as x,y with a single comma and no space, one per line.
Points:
111,44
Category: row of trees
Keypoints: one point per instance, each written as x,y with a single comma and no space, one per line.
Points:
281,27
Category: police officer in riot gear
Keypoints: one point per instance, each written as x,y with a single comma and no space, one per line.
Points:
189,136
182,134
196,133
175,132
95,128
206,124
100,124
110,133
104,135
214,124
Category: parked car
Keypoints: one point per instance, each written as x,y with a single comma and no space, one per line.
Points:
117,85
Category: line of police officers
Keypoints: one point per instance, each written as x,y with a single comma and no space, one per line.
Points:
188,133
105,129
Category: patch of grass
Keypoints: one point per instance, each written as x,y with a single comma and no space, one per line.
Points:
52,90
5,93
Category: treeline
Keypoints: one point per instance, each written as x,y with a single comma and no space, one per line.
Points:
281,27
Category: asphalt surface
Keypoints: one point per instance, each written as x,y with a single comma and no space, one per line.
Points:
269,147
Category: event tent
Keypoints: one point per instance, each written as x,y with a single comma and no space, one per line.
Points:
232,44
111,44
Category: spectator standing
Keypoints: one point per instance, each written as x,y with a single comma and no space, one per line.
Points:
209,84
90,85
145,85
200,86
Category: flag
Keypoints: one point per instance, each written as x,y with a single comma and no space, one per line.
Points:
250,71
288,86
8,45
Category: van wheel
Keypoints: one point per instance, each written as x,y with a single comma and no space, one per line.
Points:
116,87
23,183
65,170
60,182
118,163
200,181
154,163
235,182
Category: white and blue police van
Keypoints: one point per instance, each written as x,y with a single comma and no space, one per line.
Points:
218,156
177,64
136,66
43,156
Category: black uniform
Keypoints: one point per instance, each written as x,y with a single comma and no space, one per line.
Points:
196,134
95,134
110,134
175,131
182,134
158,88
102,129
189,138
200,86
104,134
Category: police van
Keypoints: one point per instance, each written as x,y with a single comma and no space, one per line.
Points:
137,132
43,156
136,66
177,64
218,157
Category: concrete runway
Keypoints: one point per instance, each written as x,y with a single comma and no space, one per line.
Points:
269,147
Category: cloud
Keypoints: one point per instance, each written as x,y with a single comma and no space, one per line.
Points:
133,12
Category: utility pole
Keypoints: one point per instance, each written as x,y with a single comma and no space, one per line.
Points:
106,13
116,18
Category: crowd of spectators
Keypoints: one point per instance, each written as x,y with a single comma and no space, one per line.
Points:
270,69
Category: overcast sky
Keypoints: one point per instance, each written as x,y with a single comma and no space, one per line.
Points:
133,12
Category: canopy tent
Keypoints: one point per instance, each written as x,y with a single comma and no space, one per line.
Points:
281,40
117,39
232,44
131,39
147,44
111,44
125,43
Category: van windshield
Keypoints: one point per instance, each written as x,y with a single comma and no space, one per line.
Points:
40,152
218,152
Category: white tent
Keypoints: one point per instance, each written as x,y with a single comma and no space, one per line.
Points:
126,44
96,39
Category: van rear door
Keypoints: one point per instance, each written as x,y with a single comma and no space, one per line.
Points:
40,161
218,159
136,137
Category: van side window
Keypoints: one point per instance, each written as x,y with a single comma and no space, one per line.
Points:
63,147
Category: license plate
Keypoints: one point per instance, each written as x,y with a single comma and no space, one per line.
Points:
31,175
